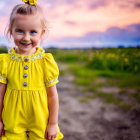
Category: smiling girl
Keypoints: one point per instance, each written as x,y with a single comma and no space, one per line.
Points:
29,101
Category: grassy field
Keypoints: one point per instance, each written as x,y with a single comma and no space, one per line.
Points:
120,66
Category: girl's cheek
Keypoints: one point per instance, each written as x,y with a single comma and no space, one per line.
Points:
36,39
17,37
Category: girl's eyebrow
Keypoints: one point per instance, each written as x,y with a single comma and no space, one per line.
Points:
18,29
22,29
34,30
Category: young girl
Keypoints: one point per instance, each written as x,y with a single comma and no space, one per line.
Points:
28,96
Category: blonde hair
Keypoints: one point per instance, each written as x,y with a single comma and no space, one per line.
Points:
24,9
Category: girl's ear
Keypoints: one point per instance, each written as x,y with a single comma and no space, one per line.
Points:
43,32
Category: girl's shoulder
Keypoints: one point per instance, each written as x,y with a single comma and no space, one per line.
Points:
48,57
49,61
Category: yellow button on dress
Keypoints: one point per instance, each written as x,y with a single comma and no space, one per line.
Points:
25,102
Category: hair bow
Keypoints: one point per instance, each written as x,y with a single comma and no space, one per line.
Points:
31,2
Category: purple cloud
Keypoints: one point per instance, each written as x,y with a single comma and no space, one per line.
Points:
129,35
137,5
96,4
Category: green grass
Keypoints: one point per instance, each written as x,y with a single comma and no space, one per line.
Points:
125,106
113,59
137,96
86,76
109,98
86,98
120,67
62,72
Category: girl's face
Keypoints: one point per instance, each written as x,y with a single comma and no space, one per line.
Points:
27,31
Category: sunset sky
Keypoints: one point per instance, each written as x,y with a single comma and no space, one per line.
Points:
84,23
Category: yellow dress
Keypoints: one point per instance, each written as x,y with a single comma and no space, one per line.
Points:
25,102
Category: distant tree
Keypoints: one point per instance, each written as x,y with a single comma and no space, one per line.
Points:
121,46
138,46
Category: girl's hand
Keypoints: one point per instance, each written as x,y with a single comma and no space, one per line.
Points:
1,129
51,132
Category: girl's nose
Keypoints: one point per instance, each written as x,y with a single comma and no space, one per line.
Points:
26,37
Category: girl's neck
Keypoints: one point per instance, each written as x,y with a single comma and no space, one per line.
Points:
25,53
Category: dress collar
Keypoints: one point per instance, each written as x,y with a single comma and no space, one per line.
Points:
19,57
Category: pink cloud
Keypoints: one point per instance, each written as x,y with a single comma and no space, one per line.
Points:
78,19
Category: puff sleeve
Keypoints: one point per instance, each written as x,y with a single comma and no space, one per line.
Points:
3,70
51,70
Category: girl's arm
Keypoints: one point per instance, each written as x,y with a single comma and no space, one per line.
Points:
53,103
2,92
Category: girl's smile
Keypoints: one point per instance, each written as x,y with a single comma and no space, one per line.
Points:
25,44
27,31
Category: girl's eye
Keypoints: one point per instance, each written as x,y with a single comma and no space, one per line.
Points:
20,31
33,32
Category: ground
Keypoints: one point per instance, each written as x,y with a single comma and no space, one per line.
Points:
95,119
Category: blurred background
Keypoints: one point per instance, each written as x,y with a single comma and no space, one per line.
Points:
96,45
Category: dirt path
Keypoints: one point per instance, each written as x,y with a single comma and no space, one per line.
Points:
93,120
